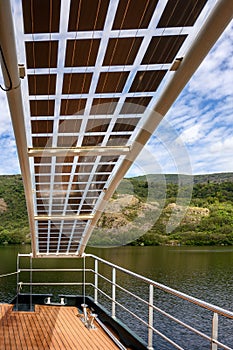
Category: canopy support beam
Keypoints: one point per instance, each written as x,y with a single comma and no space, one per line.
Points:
11,79
78,151
209,34
63,217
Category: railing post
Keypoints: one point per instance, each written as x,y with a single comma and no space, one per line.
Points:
150,318
214,331
113,292
96,282
17,299
30,282
84,279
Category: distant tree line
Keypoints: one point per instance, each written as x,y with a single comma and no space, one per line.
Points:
14,227
214,229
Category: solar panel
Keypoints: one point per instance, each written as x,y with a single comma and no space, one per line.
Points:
95,71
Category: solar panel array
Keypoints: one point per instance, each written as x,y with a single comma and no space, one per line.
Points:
95,69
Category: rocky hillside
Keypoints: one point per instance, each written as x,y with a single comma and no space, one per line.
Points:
148,210
145,212
3,206
127,218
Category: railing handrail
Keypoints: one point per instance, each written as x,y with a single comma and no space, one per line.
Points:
53,270
54,284
160,286
169,290
151,308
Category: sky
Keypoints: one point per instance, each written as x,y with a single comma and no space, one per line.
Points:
195,137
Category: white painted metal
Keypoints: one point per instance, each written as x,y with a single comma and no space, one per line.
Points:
81,151
63,217
148,302
113,293
214,346
96,283
150,317
208,35
159,105
169,290
7,40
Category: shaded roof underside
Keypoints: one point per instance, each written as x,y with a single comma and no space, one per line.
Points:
95,69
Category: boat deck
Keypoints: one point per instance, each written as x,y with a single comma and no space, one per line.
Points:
49,327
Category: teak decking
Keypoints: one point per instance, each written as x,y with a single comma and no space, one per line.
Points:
49,327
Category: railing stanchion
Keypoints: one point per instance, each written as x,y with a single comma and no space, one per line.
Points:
150,317
113,292
30,282
17,291
214,331
96,282
116,282
84,279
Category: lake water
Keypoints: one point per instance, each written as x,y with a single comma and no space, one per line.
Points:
203,272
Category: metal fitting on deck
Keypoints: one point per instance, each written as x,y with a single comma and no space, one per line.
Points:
88,319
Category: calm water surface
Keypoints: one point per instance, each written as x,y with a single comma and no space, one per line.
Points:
202,272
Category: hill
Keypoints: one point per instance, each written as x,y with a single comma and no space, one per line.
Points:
147,210
174,178
14,226
183,211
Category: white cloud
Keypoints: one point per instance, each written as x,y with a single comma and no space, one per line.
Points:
201,120
197,130
222,146
191,134
213,80
8,156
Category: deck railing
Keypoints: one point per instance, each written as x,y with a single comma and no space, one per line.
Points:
95,279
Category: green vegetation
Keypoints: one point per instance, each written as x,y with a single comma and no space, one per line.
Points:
209,216
143,204
14,228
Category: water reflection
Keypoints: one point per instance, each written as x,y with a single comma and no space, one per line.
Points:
203,273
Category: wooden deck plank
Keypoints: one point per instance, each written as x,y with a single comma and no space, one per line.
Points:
38,331
49,328
83,340
9,337
41,331
18,327
23,330
4,338
17,340
50,337
68,330
28,331
52,313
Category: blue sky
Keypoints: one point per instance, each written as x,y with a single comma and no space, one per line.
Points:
195,137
